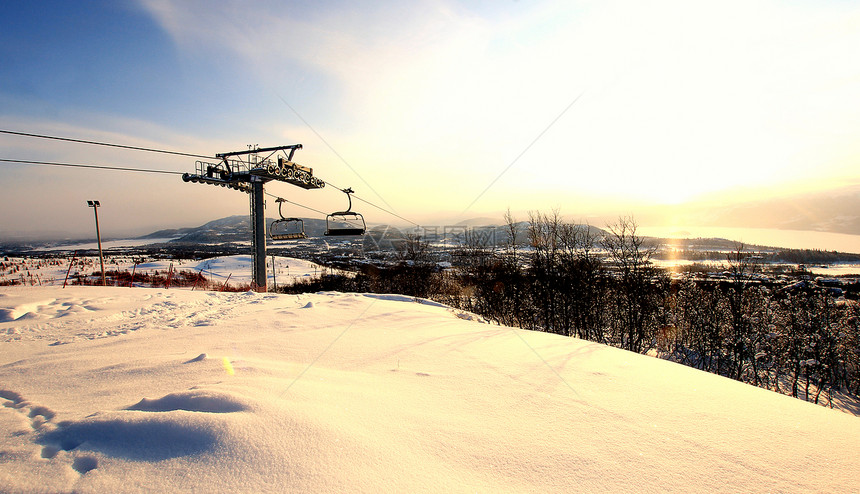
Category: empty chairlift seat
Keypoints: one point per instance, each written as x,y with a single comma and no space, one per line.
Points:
345,223
286,228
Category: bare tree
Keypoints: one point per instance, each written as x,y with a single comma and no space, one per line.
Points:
413,249
514,232
635,294
545,237
743,296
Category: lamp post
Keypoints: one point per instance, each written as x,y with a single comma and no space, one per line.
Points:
95,205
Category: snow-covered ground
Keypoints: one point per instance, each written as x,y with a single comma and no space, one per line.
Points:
835,269
234,270
239,268
128,390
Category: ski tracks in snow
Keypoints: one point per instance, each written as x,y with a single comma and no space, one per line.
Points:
66,319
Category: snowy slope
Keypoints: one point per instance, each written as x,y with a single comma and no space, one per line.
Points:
127,390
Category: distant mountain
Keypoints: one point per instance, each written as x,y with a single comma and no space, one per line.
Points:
230,229
836,211
484,221
167,233
237,228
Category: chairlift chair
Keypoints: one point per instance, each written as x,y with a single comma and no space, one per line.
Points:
345,223
286,228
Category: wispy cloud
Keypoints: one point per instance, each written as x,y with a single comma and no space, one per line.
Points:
411,94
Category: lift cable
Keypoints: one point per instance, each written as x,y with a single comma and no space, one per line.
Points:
297,204
98,167
374,205
333,150
143,170
126,169
122,146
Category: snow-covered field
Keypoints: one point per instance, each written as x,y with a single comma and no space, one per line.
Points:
233,270
128,390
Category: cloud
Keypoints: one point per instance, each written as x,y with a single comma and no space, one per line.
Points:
681,98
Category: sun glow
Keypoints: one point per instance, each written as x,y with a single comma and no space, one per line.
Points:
443,104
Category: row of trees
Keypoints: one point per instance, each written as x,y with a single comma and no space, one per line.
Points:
800,340
598,285
574,281
601,286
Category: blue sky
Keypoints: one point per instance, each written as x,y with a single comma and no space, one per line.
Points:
89,55
593,107
114,58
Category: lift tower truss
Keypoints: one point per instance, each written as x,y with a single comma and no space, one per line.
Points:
246,171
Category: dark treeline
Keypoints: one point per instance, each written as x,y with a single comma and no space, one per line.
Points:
578,281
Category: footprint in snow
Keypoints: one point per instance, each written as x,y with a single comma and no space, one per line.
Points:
143,436
84,464
126,436
40,416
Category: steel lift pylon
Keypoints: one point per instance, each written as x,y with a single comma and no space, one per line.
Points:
247,172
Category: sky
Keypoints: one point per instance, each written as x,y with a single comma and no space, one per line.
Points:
436,110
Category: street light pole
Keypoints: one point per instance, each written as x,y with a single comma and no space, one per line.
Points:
95,205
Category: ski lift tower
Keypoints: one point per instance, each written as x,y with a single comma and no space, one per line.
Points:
246,171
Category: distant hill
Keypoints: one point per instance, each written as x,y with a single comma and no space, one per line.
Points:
229,229
234,232
238,229
484,221
835,211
